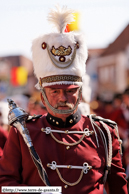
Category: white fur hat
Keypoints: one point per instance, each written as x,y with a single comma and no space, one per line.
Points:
59,58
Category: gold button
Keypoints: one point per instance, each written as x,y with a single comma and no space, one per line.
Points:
48,165
91,132
53,120
50,118
42,129
66,131
66,186
68,147
69,166
71,121
57,122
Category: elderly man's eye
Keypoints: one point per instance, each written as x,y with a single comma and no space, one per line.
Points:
71,91
54,91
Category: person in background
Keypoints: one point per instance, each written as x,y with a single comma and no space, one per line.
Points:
79,153
3,130
4,109
125,105
35,107
125,109
3,139
116,114
97,106
117,100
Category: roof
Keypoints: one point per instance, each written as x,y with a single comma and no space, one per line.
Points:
95,51
119,44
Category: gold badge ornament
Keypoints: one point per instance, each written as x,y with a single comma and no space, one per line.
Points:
61,52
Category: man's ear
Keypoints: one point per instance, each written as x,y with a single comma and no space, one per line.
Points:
42,99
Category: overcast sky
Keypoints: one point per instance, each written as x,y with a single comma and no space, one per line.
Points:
23,20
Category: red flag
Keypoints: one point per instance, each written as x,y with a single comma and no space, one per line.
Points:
14,76
18,76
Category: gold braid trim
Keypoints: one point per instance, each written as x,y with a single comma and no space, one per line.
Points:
58,78
68,144
68,183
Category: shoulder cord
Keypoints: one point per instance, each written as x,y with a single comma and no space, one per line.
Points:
112,124
108,154
106,151
109,143
109,149
120,141
91,120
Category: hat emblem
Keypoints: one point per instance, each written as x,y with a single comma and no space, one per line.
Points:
61,51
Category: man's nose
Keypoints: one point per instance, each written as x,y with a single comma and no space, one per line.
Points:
63,96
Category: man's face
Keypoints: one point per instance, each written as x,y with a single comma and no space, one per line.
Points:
126,99
62,99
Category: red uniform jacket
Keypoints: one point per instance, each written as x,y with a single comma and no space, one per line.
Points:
18,169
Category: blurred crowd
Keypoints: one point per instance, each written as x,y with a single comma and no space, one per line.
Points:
117,110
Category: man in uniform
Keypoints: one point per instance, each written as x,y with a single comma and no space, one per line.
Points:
79,153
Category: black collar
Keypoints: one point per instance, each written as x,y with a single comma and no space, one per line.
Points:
70,120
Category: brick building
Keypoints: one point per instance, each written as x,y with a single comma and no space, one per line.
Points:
109,67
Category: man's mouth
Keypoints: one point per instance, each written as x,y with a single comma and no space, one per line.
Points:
63,106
